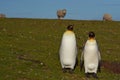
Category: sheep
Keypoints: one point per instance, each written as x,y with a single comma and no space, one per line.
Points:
2,15
107,17
61,13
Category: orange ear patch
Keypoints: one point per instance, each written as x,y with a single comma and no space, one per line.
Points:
69,32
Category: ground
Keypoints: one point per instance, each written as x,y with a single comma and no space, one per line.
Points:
29,48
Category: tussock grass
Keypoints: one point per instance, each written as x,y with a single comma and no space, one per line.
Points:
29,48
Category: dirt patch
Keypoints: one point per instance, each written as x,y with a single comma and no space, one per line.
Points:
112,66
24,57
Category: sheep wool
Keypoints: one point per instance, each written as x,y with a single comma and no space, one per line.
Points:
61,13
107,17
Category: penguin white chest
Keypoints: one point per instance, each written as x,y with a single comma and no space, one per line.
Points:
91,53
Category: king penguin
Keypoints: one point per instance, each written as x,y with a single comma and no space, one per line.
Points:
68,50
91,57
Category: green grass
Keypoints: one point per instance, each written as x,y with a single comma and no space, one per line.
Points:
29,48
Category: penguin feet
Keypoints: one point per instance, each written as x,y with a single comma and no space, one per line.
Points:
67,70
87,75
64,70
71,71
95,75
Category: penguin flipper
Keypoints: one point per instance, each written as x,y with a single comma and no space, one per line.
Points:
82,60
99,63
81,64
99,66
76,64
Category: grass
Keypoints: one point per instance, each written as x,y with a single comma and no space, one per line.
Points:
29,48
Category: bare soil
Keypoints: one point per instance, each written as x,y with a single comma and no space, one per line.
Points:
111,66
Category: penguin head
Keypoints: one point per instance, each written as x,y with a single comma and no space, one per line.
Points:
70,27
91,35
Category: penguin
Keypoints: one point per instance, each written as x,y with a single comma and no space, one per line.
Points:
91,57
68,50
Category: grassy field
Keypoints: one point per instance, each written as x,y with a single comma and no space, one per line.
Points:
29,48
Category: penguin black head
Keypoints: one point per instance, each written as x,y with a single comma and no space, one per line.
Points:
70,27
91,34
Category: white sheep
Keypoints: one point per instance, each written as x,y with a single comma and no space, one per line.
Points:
61,13
107,17
2,15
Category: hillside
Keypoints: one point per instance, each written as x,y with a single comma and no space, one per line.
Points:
29,48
